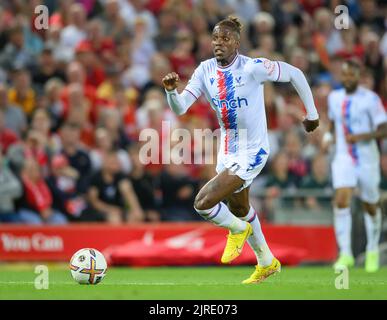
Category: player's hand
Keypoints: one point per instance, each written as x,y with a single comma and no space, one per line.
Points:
170,81
310,125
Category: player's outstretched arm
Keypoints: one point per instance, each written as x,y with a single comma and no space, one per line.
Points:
179,103
294,75
278,71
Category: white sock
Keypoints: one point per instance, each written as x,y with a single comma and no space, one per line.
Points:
373,226
343,226
257,240
222,217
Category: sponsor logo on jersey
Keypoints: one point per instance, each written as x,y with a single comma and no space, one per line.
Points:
230,104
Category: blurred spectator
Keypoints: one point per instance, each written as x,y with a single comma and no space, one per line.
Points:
80,112
278,180
32,147
144,185
15,55
159,67
112,82
101,43
76,74
297,165
131,10
318,180
182,59
74,32
352,48
36,206
104,145
15,119
371,15
111,120
280,177
84,54
21,93
326,39
55,106
10,190
63,185
165,40
125,103
113,23
178,193
78,157
141,52
60,17
242,8
41,123
373,58
211,11
7,136
46,69
111,195
263,23
204,47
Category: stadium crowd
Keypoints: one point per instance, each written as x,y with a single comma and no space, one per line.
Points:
74,98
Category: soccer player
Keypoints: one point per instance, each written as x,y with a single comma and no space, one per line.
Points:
357,118
233,85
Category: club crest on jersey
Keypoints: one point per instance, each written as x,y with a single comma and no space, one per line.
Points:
238,80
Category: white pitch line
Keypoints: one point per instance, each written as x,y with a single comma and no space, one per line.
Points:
126,284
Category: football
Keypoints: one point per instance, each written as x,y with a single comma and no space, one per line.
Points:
88,266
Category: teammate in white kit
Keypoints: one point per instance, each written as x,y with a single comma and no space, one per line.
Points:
233,84
358,118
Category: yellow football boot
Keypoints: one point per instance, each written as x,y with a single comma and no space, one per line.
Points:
235,243
261,273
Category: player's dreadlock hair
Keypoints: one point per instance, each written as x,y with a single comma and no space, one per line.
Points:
233,23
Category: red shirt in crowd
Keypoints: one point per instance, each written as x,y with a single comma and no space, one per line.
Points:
7,138
37,194
183,65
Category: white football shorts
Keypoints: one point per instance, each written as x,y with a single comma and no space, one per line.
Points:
345,174
245,167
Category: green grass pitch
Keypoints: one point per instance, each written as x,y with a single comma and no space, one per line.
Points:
169,283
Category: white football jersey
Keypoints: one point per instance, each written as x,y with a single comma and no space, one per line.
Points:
235,92
359,112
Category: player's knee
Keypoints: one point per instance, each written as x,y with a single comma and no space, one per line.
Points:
342,201
202,202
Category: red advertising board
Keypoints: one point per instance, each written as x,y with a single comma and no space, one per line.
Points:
159,244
